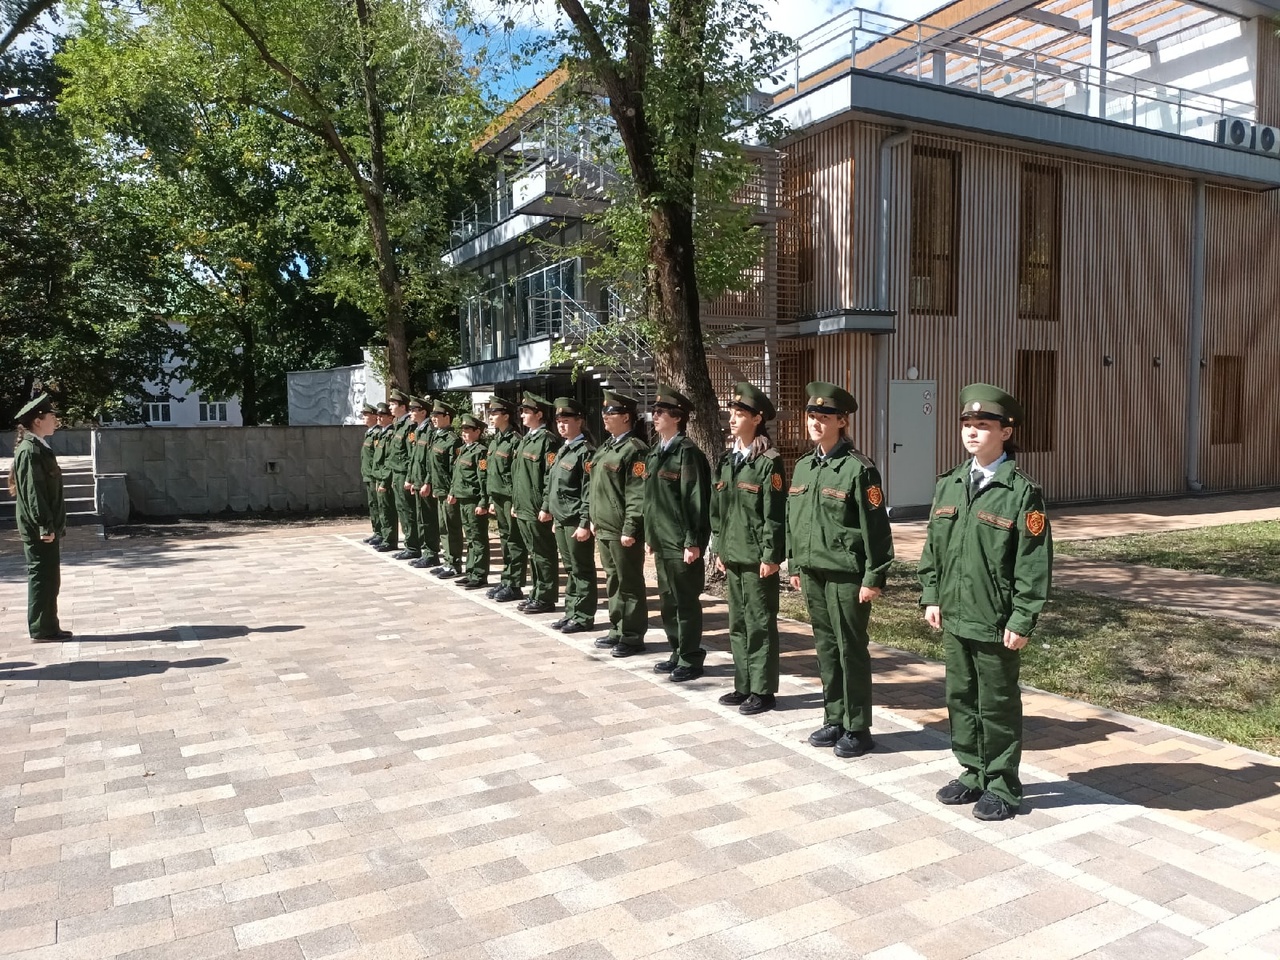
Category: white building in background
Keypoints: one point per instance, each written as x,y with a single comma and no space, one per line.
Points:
186,406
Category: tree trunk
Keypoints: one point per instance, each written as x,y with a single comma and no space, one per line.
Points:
392,292
681,358
248,373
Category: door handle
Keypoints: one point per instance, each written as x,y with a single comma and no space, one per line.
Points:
895,448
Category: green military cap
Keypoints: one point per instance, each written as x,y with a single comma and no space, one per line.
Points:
498,405
368,409
531,401
619,403
668,396
418,403
39,406
828,398
469,421
984,401
443,409
569,407
397,396
752,400
383,410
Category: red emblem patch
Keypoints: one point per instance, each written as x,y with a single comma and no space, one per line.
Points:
1035,523
875,496
551,458
637,470
776,481
484,464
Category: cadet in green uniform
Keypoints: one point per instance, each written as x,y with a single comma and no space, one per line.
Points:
467,494
839,548
35,482
535,456
445,445
568,496
677,527
497,485
748,520
370,414
617,520
398,461
390,531
428,513
985,570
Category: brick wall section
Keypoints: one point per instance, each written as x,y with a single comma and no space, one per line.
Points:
182,471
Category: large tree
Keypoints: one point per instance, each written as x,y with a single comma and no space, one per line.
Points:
677,75
376,100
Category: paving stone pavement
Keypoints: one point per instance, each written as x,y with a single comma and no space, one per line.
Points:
281,745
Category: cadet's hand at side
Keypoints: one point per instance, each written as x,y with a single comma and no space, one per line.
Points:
795,581
582,534
933,617
867,594
691,554
768,569
1014,641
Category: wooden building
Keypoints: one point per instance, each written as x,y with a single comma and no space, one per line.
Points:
1074,199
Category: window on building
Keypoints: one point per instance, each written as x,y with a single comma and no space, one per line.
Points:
1036,388
795,234
1226,385
213,411
550,298
156,413
935,230
1039,242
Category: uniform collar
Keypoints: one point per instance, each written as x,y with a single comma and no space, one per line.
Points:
672,443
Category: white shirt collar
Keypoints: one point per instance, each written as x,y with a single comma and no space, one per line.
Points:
43,441
989,471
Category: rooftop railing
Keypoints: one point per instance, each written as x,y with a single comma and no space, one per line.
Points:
879,43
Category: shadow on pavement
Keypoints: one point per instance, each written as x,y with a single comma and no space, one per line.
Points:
201,631
84,670
1183,786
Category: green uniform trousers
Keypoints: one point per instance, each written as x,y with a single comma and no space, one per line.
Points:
515,558
985,707
581,591
450,533
44,579
541,543
840,640
625,587
428,525
371,493
476,529
390,532
407,511
680,595
753,628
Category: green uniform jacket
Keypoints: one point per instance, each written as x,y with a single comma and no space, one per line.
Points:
836,521
40,507
420,455
988,558
445,445
749,509
568,484
366,455
468,472
617,488
398,455
499,463
381,454
535,456
677,498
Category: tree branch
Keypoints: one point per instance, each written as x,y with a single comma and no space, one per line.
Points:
24,21
280,115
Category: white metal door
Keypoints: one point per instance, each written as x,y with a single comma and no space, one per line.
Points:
913,425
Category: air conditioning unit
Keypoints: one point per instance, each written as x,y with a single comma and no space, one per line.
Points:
1234,132
1266,139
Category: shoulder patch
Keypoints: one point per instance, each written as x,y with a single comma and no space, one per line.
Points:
776,481
1035,523
637,469
1031,480
772,453
863,459
484,464
875,496
551,459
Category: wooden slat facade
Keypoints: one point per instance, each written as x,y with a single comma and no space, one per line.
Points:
1123,276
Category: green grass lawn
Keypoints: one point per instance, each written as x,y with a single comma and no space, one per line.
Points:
1247,550
1213,677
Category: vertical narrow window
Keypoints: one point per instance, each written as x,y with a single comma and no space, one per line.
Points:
1226,383
1039,242
156,413
795,370
796,233
1036,388
935,230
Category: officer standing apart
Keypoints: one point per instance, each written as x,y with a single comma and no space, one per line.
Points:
985,570
748,520
568,495
35,482
467,494
390,531
398,461
497,485
445,445
677,527
535,456
617,520
839,548
370,415
424,504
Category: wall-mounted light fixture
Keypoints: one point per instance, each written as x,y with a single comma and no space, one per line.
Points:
1107,360
1155,361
